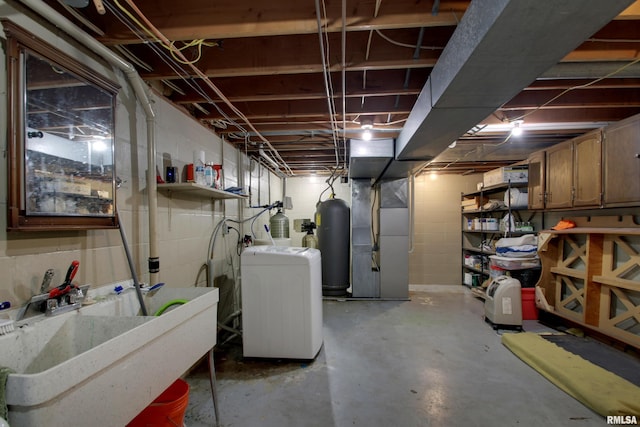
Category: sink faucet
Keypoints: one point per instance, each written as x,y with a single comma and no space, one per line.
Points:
51,305
34,299
46,281
69,299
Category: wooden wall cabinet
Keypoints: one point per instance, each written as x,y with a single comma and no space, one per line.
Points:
587,169
621,163
559,176
536,165
572,174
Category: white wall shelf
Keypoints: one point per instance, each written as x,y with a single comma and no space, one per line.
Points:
197,190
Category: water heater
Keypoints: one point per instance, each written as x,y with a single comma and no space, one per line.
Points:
333,225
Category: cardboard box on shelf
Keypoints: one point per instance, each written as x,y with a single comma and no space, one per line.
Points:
515,174
473,203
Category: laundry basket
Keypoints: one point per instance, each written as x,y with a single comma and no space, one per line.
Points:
167,410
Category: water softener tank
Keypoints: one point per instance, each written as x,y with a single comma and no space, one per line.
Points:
279,226
332,221
308,241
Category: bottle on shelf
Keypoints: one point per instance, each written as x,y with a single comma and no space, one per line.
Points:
208,175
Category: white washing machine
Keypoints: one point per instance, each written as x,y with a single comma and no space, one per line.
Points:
281,302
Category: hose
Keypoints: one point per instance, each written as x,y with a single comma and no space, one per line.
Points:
168,304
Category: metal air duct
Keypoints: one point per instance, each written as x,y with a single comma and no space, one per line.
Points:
499,48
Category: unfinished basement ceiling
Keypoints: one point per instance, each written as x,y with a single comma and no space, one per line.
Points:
271,75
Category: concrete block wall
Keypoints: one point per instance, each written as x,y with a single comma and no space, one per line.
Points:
436,256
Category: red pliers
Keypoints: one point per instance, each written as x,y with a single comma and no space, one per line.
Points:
66,285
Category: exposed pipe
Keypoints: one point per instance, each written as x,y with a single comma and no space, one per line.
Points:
344,79
412,210
180,56
326,82
140,90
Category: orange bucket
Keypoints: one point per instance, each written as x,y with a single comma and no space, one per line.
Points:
167,410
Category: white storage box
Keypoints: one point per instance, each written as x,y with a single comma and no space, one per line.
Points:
505,174
485,224
514,263
468,277
490,224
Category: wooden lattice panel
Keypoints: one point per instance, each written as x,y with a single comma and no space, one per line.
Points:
620,292
620,313
570,297
569,273
591,275
573,253
621,260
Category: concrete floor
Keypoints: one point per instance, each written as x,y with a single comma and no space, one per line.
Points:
431,361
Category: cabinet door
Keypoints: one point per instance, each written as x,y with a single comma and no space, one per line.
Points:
622,163
559,179
587,169
536,163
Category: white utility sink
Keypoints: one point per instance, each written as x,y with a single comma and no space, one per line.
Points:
103,364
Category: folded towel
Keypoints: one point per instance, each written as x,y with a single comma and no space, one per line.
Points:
4,374
522,251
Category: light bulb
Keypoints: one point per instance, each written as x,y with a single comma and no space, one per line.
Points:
366,135
516,130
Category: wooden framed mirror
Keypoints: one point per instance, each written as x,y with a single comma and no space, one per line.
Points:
60,121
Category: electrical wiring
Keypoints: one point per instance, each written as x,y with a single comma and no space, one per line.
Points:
343,72
210,84
395,122
181,73
334,116
156,35
368,51
198,43
239,242
332,178
583,86
327,78
170,45
411,46
223,223
252,219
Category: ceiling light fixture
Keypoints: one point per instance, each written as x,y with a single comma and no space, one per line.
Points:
366,124
517,128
